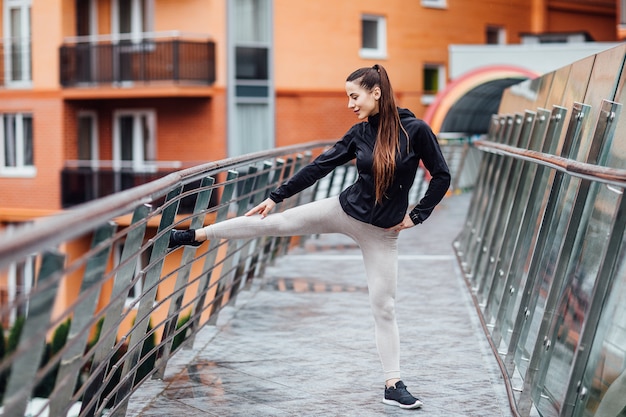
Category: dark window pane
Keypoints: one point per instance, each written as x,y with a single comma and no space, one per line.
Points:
125,16
126,137
28,141
369,34
84,138
82,18
493,37
252,91
431,80
10,151
251,63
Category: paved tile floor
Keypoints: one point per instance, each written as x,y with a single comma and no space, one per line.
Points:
300,342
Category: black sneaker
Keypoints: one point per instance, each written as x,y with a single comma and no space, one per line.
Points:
183,237
400,397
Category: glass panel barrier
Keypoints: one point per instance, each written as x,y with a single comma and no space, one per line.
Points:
542,247
539,280
554,358
494,201
517,186
603,388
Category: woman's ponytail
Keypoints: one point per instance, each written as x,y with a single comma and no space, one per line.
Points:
388,136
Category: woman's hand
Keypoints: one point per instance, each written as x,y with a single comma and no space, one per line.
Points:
406,223
263,208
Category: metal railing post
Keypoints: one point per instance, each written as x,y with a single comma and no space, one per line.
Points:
182,277
111,321
146,305
82,319
24,367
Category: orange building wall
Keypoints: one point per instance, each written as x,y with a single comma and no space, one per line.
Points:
317,45
601,27
307,117
46,29
188,130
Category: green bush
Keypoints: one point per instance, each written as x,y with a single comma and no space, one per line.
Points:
96,336
59,338
182,336
148,365
14,334
9,346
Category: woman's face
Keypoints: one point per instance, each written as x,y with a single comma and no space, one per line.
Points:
364,103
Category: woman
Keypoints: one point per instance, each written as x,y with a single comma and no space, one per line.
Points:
388,145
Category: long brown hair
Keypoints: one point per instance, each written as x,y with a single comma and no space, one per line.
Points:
388,135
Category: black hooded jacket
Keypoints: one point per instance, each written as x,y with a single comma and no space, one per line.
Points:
359,199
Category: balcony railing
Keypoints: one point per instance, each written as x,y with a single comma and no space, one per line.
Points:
87,61
83,181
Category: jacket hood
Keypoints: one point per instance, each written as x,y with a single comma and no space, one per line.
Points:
404,114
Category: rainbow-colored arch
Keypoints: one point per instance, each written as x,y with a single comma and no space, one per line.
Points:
460,86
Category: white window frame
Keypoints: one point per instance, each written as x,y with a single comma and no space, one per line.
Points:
143,159
429,98
381,25
28,274
95,140
138,17
25,56
435,4
21,170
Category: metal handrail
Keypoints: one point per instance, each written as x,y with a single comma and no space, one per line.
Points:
45,243
605,175
97,347
70,224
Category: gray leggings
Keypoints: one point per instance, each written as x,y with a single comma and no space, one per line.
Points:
380,255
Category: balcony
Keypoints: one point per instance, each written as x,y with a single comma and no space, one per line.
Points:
153,58
82,182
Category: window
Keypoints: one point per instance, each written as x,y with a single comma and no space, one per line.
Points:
252,49
134,140
16,137
434,81
131,18
20,280
130,21
373,37
251,101
16,33
435,4
495,35
88,137
251,63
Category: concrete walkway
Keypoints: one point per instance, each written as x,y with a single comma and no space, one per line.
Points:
301,341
